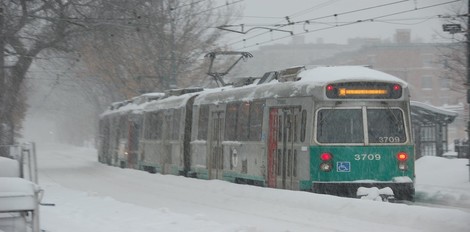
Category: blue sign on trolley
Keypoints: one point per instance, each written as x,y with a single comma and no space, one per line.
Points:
343,167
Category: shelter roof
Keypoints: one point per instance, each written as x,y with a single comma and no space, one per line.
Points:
427,114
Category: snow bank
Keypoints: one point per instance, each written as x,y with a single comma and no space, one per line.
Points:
93,197
443,181
9,167
17,194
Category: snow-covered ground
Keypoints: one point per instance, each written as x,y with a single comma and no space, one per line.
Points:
90,196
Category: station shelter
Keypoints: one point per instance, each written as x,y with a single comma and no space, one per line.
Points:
430,128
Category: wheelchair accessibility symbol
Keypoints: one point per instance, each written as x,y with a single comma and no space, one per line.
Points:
343,166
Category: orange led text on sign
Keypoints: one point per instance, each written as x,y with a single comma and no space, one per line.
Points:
344,91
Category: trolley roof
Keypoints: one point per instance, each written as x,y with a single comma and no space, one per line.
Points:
331,74
302,85
307,81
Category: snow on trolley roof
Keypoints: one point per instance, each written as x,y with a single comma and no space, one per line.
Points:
135,105
172,102
307,81
330,74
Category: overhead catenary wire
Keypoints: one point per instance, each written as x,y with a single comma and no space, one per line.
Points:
372,19
390,21
317,6
279,25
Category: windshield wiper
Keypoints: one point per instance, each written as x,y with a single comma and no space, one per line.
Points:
396,119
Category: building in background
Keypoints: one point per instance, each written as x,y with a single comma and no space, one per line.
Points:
298,53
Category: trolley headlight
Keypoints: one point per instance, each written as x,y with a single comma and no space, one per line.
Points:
402,166
326,167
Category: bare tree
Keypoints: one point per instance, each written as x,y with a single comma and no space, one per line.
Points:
28,28
140,46
146,46
454,60
151,45
454,56
134,44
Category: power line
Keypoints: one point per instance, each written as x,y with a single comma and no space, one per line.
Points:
253,27
422,19
260,17
323,17
352,11
373,19
317,6
395,21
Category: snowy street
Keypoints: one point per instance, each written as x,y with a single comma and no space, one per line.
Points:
90,196
306,97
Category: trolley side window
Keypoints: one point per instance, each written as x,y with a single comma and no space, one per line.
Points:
231,121
386,126
303,126
243,121
176,120
155,122
340,126
203,122
256,120
147,123
123,126
115,128
134,134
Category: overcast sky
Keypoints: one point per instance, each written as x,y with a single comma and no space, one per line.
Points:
315,20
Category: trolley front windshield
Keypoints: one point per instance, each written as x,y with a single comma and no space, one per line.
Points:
381,125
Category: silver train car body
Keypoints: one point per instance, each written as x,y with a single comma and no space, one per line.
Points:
237,152
259,134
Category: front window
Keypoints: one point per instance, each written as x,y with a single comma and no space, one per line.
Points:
340,126
384,125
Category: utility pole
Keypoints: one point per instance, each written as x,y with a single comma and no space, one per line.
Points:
2,64
3,130
468,83
172,82
457,28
